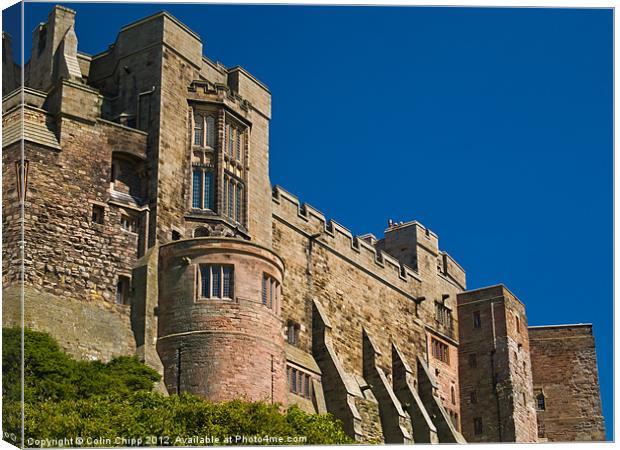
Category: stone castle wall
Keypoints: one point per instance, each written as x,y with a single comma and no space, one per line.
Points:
359,288
220,348
495,370
565,372
119,141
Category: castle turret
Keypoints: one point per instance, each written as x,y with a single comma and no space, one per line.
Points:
219,320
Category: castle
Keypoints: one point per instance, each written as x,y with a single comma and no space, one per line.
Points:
150,227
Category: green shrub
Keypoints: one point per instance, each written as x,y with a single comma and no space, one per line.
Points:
114,403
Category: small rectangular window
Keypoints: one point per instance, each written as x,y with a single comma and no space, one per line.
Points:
216,281
123,285
292,332
270,289
477,320
97,214
477,425
129,223
440,351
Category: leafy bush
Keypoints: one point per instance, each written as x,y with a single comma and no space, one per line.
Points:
114,403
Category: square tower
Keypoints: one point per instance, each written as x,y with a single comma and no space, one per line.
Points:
497,403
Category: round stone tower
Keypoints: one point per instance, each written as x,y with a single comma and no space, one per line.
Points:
219,319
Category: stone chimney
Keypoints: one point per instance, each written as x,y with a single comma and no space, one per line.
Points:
54,51
10,71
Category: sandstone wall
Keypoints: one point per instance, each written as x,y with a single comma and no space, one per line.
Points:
495,369
359,288
220,349
71,263
565,371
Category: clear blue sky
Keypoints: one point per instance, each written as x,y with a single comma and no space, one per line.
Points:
493,127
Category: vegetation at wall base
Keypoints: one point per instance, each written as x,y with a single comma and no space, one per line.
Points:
113,404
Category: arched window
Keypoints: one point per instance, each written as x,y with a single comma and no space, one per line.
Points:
540,402
518,324
198,130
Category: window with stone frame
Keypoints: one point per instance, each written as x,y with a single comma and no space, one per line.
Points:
233,199
443,315
129,223
234,141
215,281
517,324
98,214
440,351
540,399
270,292
203,188
292,332
204,129
123,290
299,382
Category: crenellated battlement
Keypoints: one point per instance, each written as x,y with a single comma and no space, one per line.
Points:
365,250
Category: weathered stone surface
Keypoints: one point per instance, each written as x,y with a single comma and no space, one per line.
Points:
497,388
111,150
565,371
